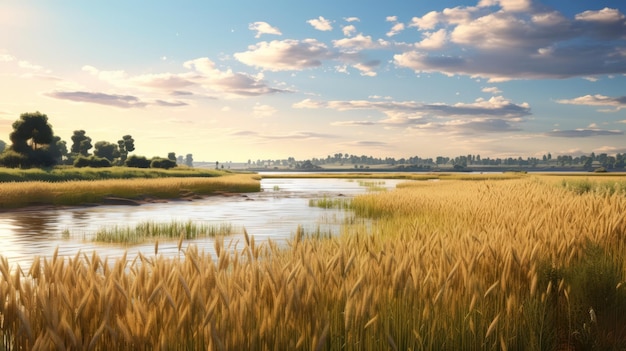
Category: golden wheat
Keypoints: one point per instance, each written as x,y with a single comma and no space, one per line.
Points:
507,264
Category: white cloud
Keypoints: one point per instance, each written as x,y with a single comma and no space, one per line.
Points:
482,116
508,5
604,15
396,29
348,30
433,40
519,41
352,19
285,55
358,42
491,90
617,103
263,28
321,24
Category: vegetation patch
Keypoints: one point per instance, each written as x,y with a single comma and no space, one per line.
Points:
16,195
150,231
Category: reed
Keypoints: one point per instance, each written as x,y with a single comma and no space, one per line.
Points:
151,230
63,174
512,264
20,194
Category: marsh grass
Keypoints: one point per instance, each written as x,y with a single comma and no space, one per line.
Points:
327,202
601,186
450,265
21,194
63,174
151,231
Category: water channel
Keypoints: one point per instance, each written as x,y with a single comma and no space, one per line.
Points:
274,213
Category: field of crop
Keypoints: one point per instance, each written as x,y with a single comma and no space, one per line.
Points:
20,194
526,263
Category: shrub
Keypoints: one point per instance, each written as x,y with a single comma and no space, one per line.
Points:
164,163
12,159
92,161
138,162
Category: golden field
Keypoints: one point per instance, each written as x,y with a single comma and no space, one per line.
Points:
519,263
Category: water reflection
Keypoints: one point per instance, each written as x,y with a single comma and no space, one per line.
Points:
274,213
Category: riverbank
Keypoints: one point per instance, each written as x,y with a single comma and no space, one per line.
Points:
40,194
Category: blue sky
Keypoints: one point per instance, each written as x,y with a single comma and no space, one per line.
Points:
239,80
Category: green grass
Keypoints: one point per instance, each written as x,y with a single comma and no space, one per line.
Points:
603,187
61,174
331,202
150,230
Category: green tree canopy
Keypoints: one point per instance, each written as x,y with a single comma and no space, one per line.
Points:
81,143
125,145
104,149
31,132
58,149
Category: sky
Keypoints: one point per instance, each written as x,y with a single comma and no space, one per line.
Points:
231,81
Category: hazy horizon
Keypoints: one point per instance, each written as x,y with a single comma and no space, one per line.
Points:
246,80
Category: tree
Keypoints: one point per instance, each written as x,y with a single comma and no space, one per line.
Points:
58,150
31,132
125,145
104,149
29,141
171,156
189,160
81,143
3,146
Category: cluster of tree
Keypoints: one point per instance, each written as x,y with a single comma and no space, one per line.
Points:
587,162
33,144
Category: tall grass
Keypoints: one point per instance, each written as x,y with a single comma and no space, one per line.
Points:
151,230
61,174
518,264
14,195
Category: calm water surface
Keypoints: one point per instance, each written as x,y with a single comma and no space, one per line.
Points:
273,213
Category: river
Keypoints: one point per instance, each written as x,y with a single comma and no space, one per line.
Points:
274,213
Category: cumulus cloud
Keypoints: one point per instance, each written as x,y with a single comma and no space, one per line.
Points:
285,55
491,90
229,82
517,40
395,29
617,103
202,77
348,30
321,24
583,133
263,28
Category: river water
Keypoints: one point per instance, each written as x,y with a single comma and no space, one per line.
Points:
274,213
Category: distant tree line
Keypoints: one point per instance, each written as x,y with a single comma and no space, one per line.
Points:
588,162
33,144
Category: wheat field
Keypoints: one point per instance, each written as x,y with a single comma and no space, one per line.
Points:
508,264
